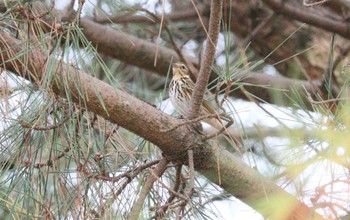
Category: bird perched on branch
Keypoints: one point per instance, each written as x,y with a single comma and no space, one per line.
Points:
180,93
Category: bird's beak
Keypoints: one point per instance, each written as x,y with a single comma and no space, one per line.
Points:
174,68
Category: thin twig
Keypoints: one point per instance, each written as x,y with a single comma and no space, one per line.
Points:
79,11
162,210
98,6
161,22
155,174
42,128
310,99
224,128
314,3
186,122
130,174
49,163
191,190
258,28
170,35
182,197
129,17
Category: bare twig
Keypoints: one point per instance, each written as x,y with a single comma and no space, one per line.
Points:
98,6
258,28
223,129
170,35
43,128
314,3
176,194
49,163
79,11
191,190
158,171
130,174
324,101
162,210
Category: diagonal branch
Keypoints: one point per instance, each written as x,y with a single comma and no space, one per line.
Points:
204,74
208,58
154,175
331,25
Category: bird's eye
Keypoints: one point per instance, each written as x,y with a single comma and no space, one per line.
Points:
183,67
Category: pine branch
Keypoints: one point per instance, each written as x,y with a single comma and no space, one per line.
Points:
208,58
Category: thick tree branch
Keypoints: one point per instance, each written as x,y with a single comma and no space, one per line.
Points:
236,177
281,7
127,48
338,6
295,211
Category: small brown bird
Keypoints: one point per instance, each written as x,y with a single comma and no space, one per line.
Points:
180,93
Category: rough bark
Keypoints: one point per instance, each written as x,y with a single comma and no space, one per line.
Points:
208,58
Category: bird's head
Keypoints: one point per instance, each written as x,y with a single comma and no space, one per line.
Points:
180,70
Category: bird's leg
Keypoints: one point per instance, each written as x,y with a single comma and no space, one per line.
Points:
226,117
197,126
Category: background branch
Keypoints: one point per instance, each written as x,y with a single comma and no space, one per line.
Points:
303,15
141,53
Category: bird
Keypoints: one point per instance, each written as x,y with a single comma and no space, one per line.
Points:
180,92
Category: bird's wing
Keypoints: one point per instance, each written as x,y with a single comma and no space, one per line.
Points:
208,107
189,86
